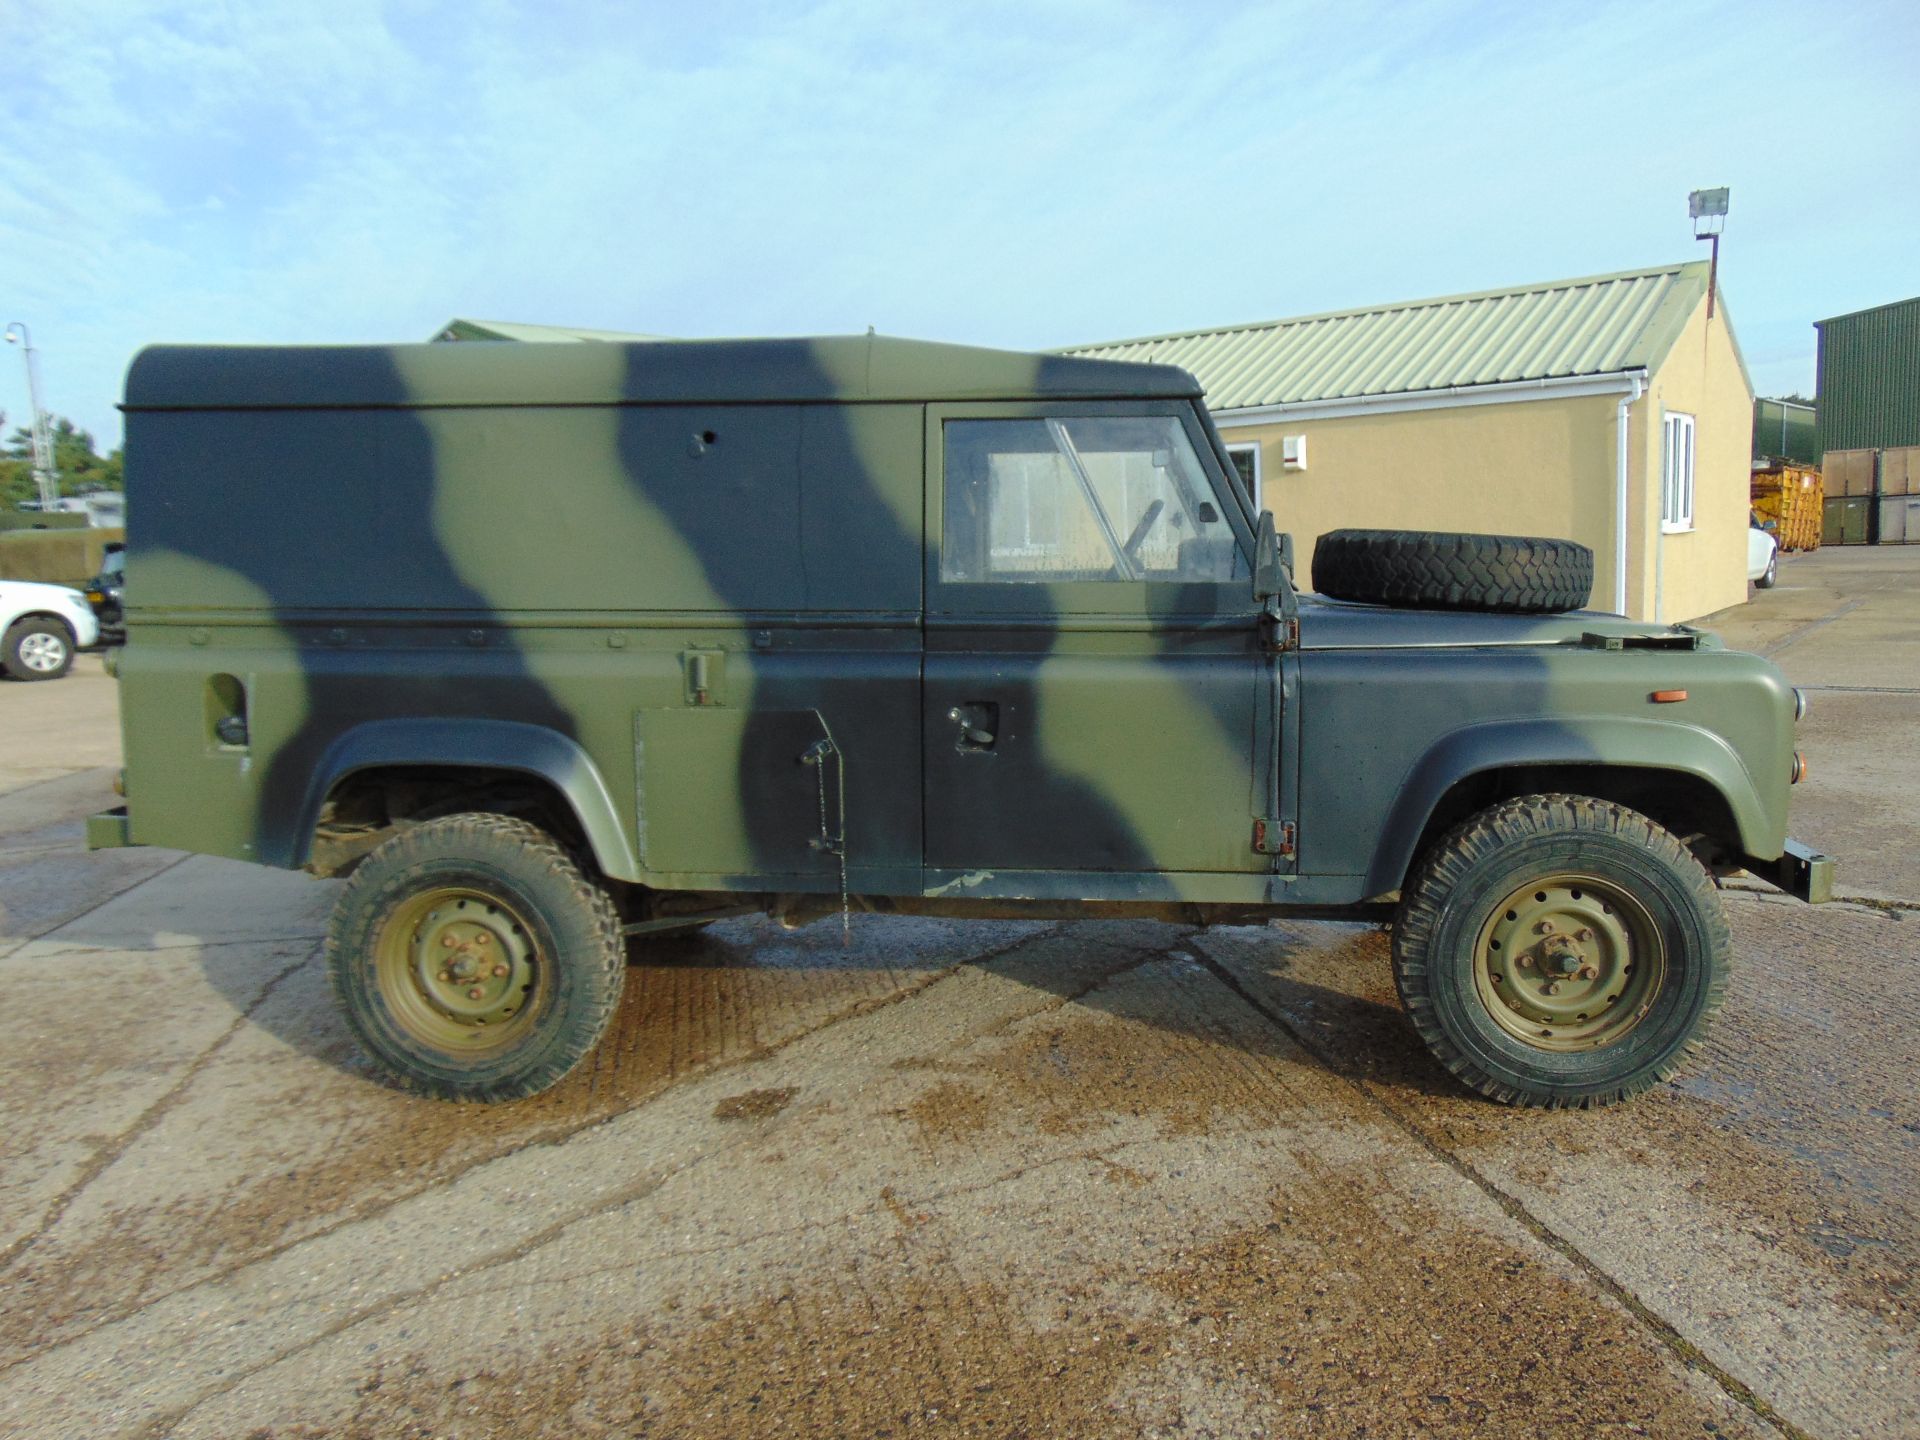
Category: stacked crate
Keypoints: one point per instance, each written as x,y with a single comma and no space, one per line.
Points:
1850,476
1897,498
1788,497
1873,497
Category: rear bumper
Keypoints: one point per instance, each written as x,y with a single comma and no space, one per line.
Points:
109,830
1799,871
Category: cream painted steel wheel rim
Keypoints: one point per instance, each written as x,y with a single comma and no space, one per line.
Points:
459,970
1569,963
42,652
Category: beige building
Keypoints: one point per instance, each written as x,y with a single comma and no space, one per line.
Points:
1612,410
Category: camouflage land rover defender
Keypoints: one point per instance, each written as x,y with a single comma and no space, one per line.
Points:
548,647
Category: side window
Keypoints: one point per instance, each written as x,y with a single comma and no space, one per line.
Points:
1246,461
1080,498
1676,474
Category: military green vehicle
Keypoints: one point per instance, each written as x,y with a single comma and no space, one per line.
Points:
550,647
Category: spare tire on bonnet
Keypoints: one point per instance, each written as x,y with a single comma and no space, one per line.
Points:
1430,570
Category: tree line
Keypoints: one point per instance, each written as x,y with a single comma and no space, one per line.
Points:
81,467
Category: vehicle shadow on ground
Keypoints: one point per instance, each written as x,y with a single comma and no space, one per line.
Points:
741,988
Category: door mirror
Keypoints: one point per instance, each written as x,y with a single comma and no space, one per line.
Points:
1272,557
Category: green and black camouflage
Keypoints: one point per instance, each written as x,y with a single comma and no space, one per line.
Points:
686,601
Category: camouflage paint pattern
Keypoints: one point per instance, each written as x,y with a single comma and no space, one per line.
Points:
695,587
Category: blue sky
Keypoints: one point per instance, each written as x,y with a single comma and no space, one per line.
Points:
1027,175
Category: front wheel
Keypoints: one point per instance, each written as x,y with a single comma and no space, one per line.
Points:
473,960
1557,950
37,649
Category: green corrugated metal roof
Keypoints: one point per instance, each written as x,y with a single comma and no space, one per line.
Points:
1600,325
543,334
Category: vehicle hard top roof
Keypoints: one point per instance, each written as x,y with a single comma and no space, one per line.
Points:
833,368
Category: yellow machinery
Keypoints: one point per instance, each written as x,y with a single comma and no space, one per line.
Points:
1790,496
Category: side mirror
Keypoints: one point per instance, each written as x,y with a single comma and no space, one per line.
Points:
1268,560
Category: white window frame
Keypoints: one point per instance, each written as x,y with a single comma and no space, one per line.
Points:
1679,452
1027,547
1253,448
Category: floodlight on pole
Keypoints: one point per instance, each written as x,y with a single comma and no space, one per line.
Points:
1709,211
44,475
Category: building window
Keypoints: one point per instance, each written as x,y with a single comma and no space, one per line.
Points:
1676,475
1246,460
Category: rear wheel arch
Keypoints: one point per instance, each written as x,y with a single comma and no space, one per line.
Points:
380,776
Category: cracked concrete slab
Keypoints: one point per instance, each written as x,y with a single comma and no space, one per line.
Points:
1762,1204
1145,1140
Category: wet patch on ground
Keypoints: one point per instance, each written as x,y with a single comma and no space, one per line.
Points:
311,1139
1150,1043
1346,1311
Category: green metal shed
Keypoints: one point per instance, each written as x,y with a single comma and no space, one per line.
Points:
1785,430
1869,388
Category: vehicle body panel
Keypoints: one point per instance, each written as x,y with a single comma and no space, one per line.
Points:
21,599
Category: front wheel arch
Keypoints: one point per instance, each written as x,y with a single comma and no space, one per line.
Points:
1676,800
1628,760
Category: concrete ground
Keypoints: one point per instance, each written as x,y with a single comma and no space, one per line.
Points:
997,1179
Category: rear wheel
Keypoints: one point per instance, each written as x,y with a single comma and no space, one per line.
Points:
474,960
1772,573
1557,950
37,648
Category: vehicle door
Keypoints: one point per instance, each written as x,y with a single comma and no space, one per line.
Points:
1096,668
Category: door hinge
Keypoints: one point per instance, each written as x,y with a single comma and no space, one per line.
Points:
1273,837
1286,633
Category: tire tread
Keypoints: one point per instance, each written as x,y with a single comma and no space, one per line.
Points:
1437,570
607,966
1480,839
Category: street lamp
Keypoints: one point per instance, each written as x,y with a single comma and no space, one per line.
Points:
43,471
1709,211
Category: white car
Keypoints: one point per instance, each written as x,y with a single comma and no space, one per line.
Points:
1763,557
42,627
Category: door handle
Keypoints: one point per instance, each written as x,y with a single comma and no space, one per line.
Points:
979,722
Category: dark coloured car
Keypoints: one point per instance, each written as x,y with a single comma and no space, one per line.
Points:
105,592
551,647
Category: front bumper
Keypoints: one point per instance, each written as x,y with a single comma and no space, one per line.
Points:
1799,871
